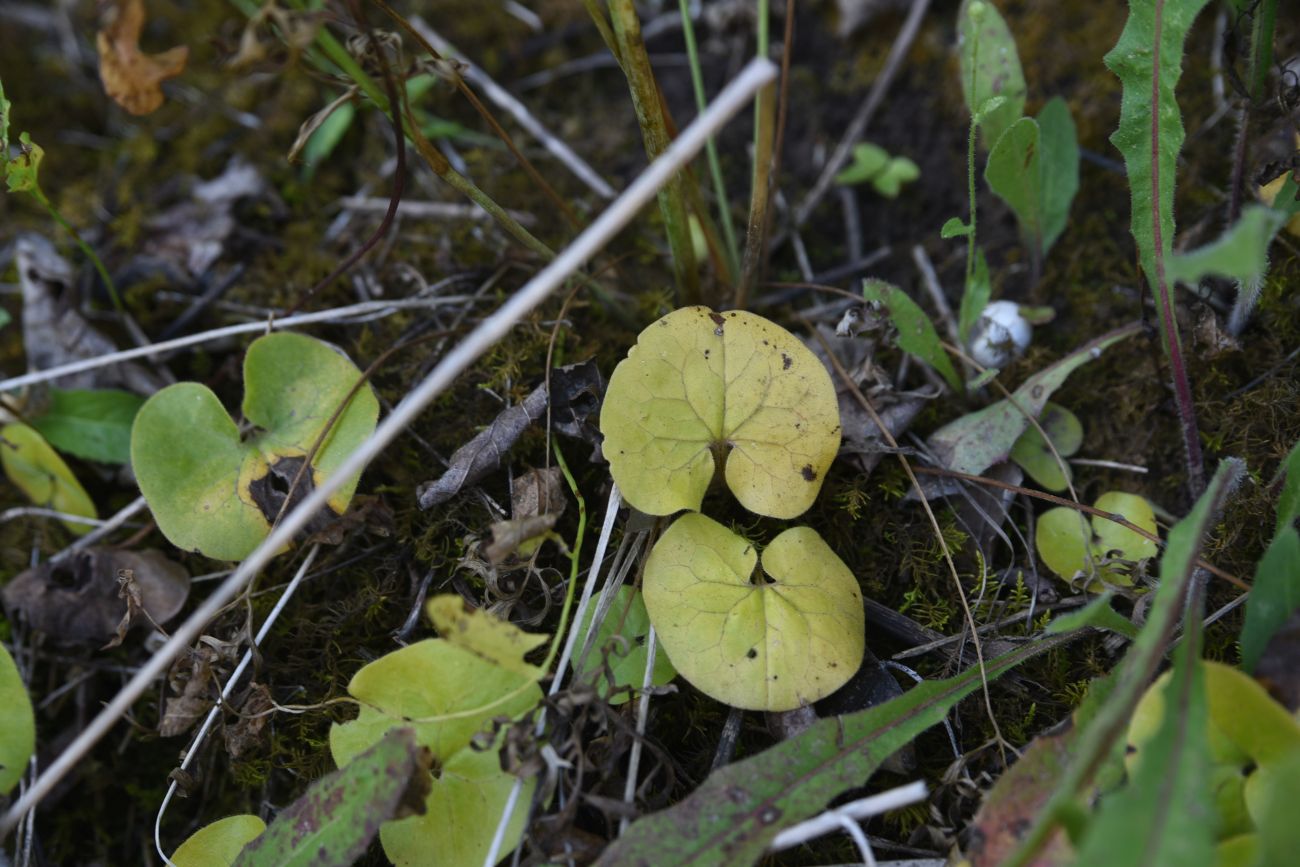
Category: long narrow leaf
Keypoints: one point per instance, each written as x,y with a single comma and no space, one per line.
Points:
1140,663
916,332
733,816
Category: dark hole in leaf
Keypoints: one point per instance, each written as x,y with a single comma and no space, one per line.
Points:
270,492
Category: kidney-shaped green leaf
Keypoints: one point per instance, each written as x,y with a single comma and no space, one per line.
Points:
215,492
620,643
17,724
1035,458
1071,544
421,686
218,844
771,640
700,387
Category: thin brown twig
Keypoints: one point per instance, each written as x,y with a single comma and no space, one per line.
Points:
934,524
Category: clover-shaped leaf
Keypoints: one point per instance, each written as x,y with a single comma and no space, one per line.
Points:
448,695
1035,458
41,474
216,492
873,163
776,639
702,387
620,643
1071,543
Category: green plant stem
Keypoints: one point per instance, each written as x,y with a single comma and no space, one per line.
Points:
654,132
606,32
84,247
710,147
575,558
970,165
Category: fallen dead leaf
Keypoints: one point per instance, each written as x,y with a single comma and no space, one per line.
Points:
132,78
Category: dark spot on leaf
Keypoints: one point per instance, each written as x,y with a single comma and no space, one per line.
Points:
282,482
768,815
808,473
786,361
752,654
719,321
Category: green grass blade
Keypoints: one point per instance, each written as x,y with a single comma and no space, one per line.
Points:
733,816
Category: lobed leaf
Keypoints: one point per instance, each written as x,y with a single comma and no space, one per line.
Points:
700,388
771,641
1240,253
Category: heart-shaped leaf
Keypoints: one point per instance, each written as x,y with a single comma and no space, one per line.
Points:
218,844
1071,544
447,694
621,643
702,387
1035,458
41,474
215,492
774,640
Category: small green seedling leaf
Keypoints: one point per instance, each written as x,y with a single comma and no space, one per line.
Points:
1035,458
447,695
872,163
773,640
218,844
41,474
734,814
1097,614
498,641
17,724
1240,253
981,439
916,332
621,643
21,172
990,67
701,388
332,824
954,227
1070,544
211,491
1034,168
90,424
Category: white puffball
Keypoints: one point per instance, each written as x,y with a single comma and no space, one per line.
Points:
1000,336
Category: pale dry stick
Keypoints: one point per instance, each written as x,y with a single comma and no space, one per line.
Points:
854,831
732,98
226,690
593,574
429,210
902,44
1109,465
934,524
516,109
335,314
109,525
42,512
642,715
930,280
864,808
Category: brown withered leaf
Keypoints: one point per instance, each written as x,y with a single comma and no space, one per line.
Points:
132,78
246,732
193,678
520,536
79,599
537,492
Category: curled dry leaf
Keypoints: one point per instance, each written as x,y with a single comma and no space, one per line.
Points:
77,599
132,78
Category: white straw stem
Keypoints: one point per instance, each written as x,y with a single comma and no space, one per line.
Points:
854,810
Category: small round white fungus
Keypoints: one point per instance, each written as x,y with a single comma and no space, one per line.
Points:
1000,336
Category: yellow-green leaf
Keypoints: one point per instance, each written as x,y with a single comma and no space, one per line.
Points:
772,640
701,387
1035,458
1070,543
447,694
497,641
41,474
17,724
218,844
